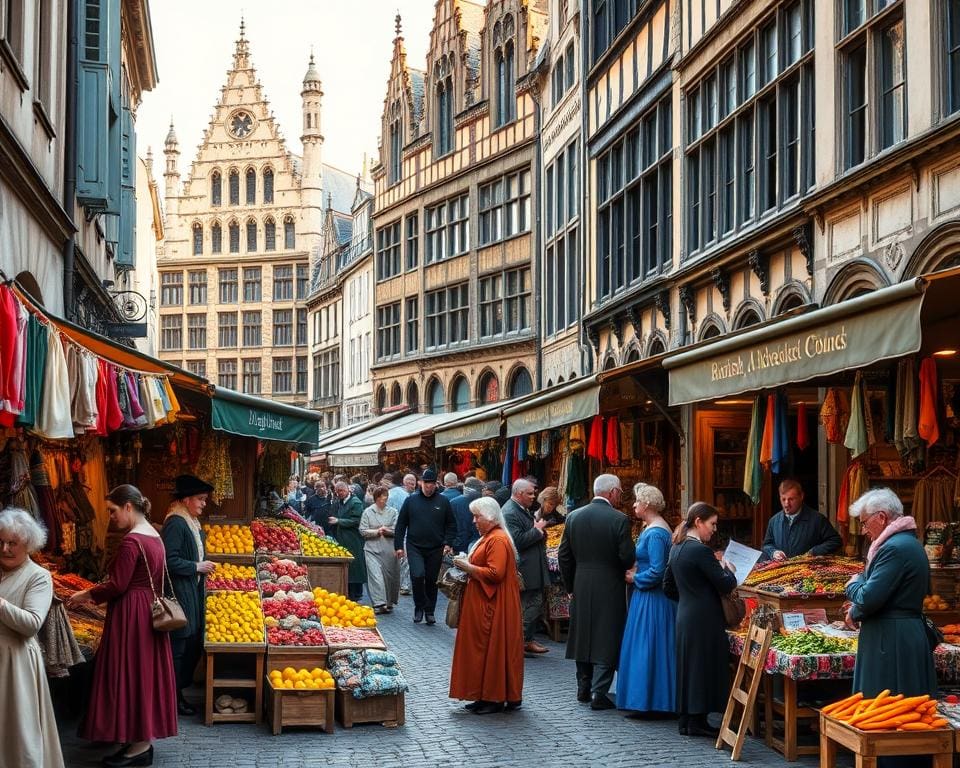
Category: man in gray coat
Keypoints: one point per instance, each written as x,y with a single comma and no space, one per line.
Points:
595,552
531,542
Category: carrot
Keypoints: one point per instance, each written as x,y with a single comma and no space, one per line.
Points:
842,704
939,723
900,705
879,700
889,722
916,727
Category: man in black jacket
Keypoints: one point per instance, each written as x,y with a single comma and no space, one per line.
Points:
797,529
531,543
427,522
466,531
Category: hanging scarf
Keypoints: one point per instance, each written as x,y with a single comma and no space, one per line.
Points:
595,446
803,436
856,437
178,509
766,442
611,447
927,426
905,523
752,472
781,438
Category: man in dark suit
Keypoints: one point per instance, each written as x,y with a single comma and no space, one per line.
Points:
531,543
595,552
797,529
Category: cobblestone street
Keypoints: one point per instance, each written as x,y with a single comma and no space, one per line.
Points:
438,732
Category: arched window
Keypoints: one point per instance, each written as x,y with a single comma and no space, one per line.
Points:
234,231
396,143
268,185
633,355
435,397
489,388
234,186
396,395
197,239
251,235
610,363
747,318
269,234
560,380
381,398
443,129
521,383
413,396
289,235
657,347
216,237
216,188
504,71
509,102
461,395
251,186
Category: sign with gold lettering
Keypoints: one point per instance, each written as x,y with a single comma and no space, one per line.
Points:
484,429
544,413
817,344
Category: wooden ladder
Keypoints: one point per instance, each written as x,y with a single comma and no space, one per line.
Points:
744,691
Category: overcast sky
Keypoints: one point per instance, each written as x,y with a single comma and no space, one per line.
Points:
352,41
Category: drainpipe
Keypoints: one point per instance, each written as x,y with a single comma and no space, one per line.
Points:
586,349
70,160
537,239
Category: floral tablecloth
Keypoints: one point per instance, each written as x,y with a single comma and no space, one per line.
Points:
838,666
558,603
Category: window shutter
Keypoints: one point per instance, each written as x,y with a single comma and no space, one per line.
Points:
92,131
126,254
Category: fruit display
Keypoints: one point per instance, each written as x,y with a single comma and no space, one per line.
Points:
951,633
289,515
813,575
301,636
280,575
321,546
887,713
291,605
806,643
228,540
935,603
315,679
230,577
353,637
338,611
269,536
234,617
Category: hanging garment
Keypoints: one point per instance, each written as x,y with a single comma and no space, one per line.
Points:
933,500
36,357
766,442
611,446
626,441
83,406
803,436
853,486
507,462
54,420
21,490
174,403
9,373
595,446
46,502
546,443
576,487
521,444
136,407
577,433
928,426
906,437
13,405
215,467
113,414
151,402
835,415
781,436
856,437
752,471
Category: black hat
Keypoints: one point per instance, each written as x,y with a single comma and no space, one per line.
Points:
429,476
188,485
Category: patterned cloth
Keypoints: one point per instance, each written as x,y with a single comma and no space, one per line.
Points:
367,673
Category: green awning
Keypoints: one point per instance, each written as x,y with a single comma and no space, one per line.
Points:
481,423
851,334
565,404
250,416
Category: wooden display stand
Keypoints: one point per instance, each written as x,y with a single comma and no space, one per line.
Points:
557,629
296,656
329,573
386,710
219,557
867,746
331,649
213,683
296,707
743,694
792,715
832,604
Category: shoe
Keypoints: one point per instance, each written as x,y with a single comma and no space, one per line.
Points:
534,647
417,615
583,693
489,708
513,706
388,609
185,709
600,702
119,752
431,619
473,706
709,731
379,610
404,591
144,758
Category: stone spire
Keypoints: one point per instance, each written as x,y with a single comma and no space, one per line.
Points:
171,173
312,78
241,54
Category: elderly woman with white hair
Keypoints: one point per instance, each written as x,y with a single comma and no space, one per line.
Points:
886,600
488,653
27,722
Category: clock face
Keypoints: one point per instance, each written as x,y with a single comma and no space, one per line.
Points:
241,124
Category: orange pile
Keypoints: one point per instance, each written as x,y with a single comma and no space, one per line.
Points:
887,713
228,539
338,611
315,679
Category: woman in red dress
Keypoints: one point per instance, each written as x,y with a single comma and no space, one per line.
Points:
133,700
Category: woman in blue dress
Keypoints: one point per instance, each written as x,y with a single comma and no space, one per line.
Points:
646,677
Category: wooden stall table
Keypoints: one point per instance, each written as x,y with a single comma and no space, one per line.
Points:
329,573
221,557
832,603
224,651
867,746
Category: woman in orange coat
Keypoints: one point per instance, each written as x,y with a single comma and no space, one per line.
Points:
488,654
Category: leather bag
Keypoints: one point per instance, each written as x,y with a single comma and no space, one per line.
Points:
166,613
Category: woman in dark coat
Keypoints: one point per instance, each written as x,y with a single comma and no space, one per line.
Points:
183,540
697,580
347,533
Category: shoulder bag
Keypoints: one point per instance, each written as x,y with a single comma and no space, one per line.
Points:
166,613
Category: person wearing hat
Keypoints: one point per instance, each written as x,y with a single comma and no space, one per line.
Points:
427,525
183,541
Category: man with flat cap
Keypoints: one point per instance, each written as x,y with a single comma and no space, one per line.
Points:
183,542
427,522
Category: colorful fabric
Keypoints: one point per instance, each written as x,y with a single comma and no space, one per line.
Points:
54,419
856,436
611,446
595,446
928,426
834,415
803,436
752,471
781,435
766,442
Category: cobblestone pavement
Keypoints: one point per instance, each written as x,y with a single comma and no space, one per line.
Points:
438,732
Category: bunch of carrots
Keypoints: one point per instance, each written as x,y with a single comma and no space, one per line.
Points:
887,713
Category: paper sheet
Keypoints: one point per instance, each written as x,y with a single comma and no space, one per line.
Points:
742,558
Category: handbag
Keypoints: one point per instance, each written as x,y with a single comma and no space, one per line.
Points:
451,582
452,619
734,610
166,613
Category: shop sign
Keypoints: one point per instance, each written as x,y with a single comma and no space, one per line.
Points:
469,433
574,407
263,424
354,459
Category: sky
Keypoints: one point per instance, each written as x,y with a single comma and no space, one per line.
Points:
352,41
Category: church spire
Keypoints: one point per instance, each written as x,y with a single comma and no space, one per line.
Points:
241,54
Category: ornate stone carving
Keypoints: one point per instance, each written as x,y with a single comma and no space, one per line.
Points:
893,255
662,302
593,334
614,329
804,242
721,279
760,265
688,297
634,319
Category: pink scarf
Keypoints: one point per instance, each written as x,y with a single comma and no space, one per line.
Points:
905,523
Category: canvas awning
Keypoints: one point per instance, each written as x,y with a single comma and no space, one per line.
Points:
855,333
574,401
249,416
332,436
481,423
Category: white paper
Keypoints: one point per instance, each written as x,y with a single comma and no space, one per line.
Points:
792,621
742,558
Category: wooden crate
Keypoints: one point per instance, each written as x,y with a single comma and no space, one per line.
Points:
216,557
832,604
386,710
295,707
867,746
214,683
296,656
334,648
329,573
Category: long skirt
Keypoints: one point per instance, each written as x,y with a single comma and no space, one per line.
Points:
383,572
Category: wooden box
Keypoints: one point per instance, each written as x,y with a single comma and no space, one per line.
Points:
869,745
294,707
296,656
386,710
215,683
329,573
221,557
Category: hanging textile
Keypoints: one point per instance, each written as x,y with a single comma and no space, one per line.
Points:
521,444
781,435
905,433
36,356
82,375
136,407
214,466
46,502
10,394
507,462
611,446
55,420
855,483
834,415
595,446
576,487
752,471
90,497
21,490
803,436
626,441
856,437
766,442
577,433
933,499
546,442
928,426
